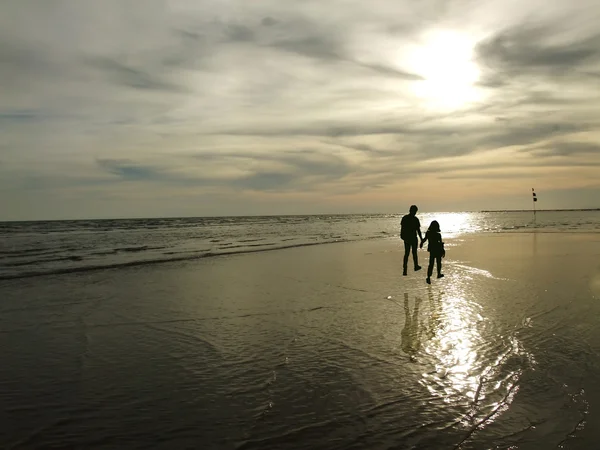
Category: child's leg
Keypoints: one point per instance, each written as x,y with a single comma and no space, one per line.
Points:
430,268
438,260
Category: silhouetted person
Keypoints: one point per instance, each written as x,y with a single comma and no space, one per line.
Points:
435,249
409,228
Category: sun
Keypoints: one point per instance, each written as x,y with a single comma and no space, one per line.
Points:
445,61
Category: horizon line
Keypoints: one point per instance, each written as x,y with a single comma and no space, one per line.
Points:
295,215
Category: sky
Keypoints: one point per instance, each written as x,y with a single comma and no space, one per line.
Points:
158,108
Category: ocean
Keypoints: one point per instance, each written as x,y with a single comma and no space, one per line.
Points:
52,247
300,333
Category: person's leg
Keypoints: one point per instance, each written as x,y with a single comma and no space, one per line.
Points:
430,267
438,260
406,254
415,256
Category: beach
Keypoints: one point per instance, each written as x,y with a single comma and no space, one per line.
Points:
315,347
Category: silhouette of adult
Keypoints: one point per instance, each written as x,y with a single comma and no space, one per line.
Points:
410,227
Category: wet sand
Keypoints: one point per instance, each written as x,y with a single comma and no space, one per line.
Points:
319,347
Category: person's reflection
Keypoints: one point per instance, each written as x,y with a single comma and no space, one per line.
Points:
415,333
435,313
411,333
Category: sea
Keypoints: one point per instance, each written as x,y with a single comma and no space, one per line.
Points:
53,247
299,333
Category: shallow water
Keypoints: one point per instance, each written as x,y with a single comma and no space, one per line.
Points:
336,354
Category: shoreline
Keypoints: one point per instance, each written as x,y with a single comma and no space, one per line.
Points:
452,243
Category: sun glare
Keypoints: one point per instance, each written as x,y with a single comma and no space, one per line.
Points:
445,61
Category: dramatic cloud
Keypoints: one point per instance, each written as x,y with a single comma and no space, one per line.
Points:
528,50
181,107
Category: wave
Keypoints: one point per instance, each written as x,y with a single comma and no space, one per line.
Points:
38,261
140,248
90,268
35,252
227,247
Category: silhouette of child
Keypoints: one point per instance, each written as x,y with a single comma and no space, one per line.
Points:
435,249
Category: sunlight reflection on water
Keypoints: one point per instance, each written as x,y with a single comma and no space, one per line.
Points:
453,224
472,365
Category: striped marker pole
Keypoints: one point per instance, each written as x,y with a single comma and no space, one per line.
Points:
534,200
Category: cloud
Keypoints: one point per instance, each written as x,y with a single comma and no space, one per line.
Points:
311,46
566,149
281,172
306,169
17,60
129,170
309,42
268,22
311,100
530,50
17,116
529,133
132,77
